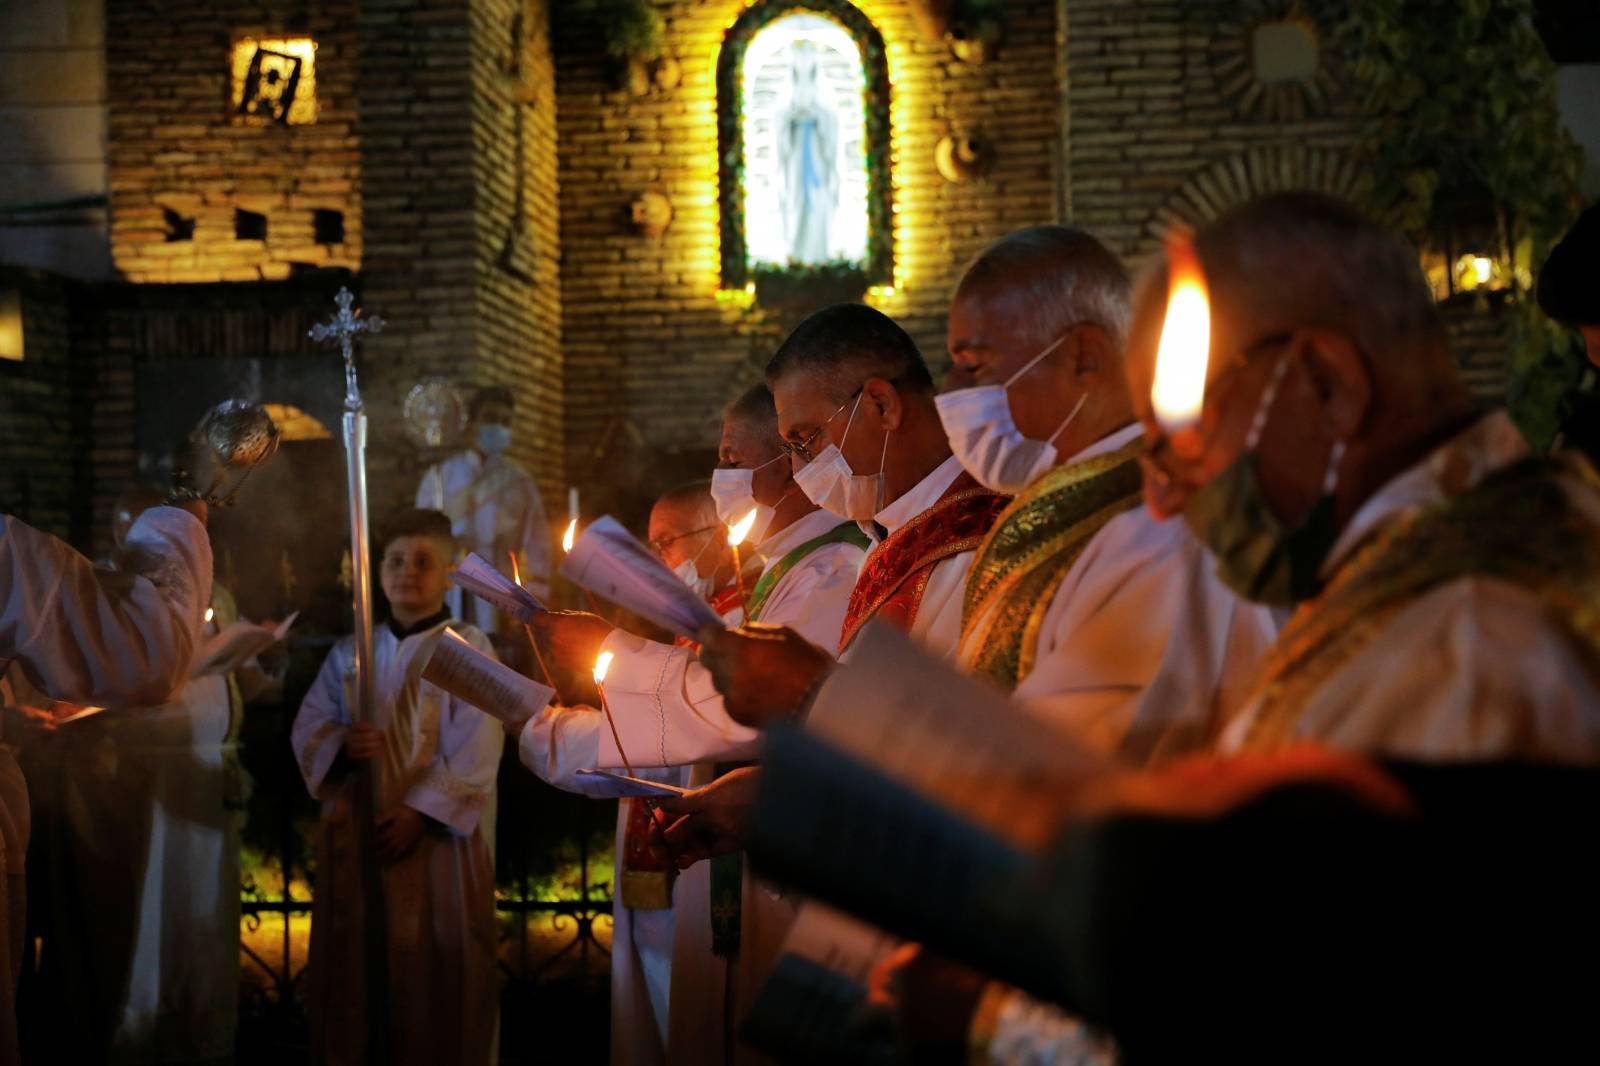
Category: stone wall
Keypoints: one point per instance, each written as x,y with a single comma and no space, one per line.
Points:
651,353
182,166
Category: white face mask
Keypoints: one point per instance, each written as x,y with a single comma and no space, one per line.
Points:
829,482
733,491
985,438
687,572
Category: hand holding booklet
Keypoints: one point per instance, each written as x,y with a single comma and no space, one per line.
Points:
237,644
481,680
611,563
485,582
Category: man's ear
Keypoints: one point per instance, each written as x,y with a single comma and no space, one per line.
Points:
882,401
1339,374
1091,353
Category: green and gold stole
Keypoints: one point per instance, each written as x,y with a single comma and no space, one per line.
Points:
1027,554
843,533
1518,525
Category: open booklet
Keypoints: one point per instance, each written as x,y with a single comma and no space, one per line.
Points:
914,798
611,563
238,643
481,680
485,582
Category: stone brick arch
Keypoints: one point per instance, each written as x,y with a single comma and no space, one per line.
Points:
1275,168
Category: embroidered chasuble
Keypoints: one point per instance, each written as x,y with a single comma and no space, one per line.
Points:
647,871
1024,559
1518,525
896,573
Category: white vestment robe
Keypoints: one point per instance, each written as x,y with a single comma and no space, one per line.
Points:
90,635
105,637
1476,668
495,509
671,996
1143,653
440,758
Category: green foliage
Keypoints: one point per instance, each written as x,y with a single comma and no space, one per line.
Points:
1461,110
809,285
633,29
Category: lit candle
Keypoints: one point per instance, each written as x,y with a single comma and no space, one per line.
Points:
210,613
601,665
567,537
1179,390
737,531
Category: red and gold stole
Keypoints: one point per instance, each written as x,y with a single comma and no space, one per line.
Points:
895,575
647,872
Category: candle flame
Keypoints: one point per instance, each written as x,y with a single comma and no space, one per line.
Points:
566,538
1179,389
210,613
741,529
601,665
516,571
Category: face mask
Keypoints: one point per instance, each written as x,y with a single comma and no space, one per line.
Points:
493,439
829,482
985,438
1259,556
733,491
688,572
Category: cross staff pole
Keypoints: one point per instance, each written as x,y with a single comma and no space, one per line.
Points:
345,326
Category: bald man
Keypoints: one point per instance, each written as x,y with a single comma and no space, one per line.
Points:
1096,617
1448,580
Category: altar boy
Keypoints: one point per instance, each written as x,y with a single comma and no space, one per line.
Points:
434,759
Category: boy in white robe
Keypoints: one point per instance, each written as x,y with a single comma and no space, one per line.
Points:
435,759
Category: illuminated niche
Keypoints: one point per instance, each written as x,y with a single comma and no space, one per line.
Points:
275,81
804,145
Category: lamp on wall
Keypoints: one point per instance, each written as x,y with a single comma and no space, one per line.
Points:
11,340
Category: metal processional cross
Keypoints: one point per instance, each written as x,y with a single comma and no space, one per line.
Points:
345,326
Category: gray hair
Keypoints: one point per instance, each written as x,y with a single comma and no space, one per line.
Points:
1066,276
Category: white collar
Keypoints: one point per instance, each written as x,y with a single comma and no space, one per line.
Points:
1108,443
1460,463
921,496
807,527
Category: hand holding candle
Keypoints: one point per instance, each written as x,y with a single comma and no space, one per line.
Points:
601,665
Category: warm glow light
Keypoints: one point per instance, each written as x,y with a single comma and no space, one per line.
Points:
1483,266
11,346
272,75
516,571
566,538
739,530
601,665
1179,389
211,613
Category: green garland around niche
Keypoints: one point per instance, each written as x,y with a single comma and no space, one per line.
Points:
878,269
1460,107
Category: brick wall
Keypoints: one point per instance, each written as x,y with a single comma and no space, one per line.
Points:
43,428
650,354
173,145
1164,123
518,233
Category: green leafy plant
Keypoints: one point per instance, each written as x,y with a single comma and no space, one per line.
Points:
1461,110
633,29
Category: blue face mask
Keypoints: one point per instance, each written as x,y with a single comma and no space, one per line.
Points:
494,439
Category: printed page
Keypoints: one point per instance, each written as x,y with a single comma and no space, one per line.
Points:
481,680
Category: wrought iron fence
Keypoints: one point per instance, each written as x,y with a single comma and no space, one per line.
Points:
553,873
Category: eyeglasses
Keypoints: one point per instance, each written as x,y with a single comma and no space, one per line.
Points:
802,450
659,544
